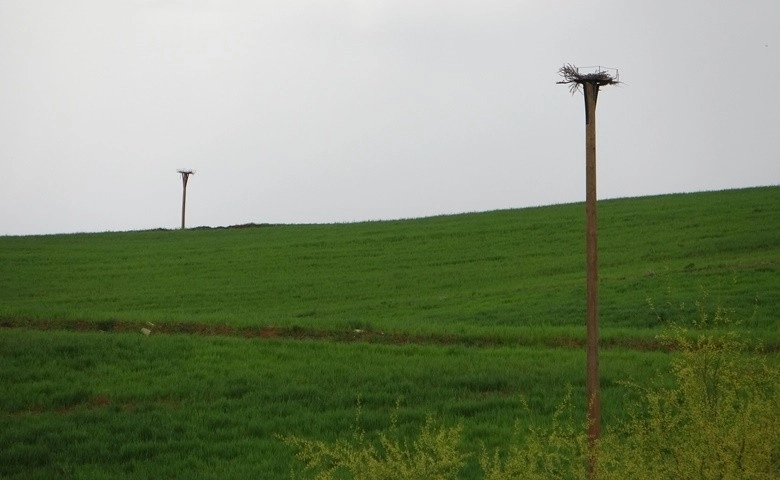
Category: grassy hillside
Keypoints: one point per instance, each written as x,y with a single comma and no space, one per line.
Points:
478,311
502,273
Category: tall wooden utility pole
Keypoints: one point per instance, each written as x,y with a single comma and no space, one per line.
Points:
590,83
185,175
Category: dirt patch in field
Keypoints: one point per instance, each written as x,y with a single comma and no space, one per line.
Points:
97,402
354,335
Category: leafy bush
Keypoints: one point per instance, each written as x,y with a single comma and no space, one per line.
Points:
720,420
559,451
435,454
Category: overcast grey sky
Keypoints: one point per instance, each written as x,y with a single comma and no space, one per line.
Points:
300,111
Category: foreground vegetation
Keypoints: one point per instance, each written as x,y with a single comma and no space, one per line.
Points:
91,405
263,331
719,420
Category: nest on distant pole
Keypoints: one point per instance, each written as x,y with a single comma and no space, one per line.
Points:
572,76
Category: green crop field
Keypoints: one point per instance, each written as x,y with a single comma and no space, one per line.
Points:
263,330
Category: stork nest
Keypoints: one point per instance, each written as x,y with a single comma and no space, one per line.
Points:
572,77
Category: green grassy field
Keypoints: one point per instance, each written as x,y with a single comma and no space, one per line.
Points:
268,330
491,273
209,407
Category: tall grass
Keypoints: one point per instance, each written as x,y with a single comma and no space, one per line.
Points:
96,405
718,420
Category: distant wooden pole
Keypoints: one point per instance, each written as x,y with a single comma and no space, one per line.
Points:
185,175
591,90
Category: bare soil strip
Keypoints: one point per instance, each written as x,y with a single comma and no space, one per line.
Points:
301,333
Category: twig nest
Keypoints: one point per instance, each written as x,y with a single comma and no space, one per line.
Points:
572,76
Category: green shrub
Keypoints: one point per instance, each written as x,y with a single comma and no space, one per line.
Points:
720,419
435,454
557,451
